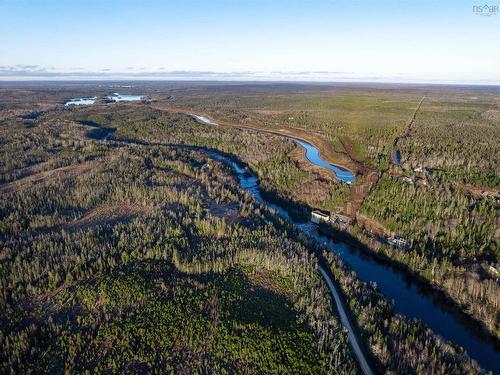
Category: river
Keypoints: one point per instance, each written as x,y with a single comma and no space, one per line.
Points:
409,297
312,154
250,183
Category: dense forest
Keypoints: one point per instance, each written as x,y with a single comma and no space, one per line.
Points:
128,266
444,195
142,252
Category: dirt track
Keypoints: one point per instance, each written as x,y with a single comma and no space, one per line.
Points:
327,151
63,172
346,159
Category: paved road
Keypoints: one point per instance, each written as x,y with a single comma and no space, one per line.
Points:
365,367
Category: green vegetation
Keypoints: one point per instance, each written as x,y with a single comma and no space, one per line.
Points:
267,155
445,223
142,253
395,341
458,142
445,195
450,156
146,316
369,121
176,289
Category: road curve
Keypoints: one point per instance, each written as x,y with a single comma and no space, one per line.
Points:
365,367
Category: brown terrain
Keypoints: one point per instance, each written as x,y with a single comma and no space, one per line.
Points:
108,214
327,150
367,176
480,192
346,158
359,190
372,226
52,175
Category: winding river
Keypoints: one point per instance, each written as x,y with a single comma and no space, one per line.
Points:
250,183
312,154
410,298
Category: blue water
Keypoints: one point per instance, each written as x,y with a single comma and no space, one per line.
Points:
121,98
312,154
81,101
410,299
204,119
115,98
396,157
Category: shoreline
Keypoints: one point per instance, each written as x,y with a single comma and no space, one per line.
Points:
300,134
356,242
442,296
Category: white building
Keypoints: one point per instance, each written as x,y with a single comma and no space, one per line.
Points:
318,216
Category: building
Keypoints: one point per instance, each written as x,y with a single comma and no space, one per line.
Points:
340,219
494,270
318,216
399,243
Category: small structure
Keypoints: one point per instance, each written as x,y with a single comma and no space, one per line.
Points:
418,169
340,219
407,180
399,243
318,216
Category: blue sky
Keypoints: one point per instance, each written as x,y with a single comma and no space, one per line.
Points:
415,41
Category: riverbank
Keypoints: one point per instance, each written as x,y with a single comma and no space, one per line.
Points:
409,300
397,339
362,243
358,194
326,149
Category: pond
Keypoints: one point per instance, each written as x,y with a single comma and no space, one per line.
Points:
123,98
81,101
116,97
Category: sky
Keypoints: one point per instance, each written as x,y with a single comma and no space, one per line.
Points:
304,40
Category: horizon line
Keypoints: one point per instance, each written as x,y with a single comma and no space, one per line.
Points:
19,72
262,81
